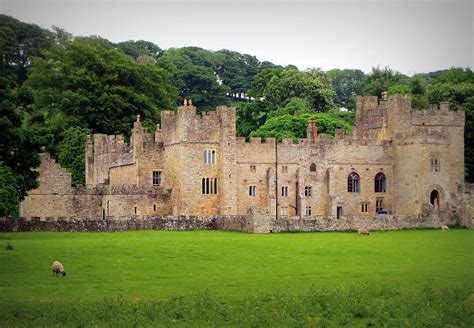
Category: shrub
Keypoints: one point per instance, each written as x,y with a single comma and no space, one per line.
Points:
9,247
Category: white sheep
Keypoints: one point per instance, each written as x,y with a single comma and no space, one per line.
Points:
363,231
444,228
58,268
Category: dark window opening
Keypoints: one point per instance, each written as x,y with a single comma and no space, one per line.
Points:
434,197
312,168
380,182
353,182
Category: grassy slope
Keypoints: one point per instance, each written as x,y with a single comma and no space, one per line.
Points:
151,265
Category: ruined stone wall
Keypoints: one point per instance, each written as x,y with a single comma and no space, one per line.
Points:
56,197
107,149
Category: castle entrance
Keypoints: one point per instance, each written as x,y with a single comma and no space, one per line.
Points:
434,198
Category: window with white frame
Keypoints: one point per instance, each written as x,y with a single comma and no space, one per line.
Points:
209,156
284,210
308,192
252,191
435,163
284,191
157,178
365,207
308,211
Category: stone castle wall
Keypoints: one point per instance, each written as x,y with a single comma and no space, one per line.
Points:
389,137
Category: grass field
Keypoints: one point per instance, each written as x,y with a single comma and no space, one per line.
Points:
203,278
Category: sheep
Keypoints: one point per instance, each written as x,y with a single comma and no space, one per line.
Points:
363,231
444,228
58,268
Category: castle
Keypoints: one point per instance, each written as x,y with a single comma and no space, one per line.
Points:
396,159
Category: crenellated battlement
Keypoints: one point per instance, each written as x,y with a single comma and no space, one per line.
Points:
438,115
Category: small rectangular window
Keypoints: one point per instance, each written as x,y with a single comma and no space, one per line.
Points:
209,186
308,191
252,191
284,191
434,164
308,211
365,208
209,156
284,210
157,178
284,169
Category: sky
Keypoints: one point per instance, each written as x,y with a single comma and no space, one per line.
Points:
408,36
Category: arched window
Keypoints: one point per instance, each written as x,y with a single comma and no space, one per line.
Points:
380,182
353,182
434,197
312,168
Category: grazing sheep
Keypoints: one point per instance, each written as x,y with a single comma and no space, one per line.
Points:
58,268
363,231
445,228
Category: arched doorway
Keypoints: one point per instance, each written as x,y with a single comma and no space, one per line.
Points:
434,197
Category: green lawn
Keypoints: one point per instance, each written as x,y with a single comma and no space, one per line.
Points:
159,267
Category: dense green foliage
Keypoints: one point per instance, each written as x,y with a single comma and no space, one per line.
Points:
290,83
71,152
294,126
9,190
85,83
202,278
344,82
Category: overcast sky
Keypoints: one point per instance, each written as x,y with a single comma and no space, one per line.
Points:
409,36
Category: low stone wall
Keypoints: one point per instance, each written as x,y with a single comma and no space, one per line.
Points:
354,223
256,221
97,224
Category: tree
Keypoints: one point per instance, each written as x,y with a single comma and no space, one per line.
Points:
19,44
18,145
10,195
294,126
141,50
250,115
261,79
194,81
291,83
379,80
87,83
401,89
71,153
344,82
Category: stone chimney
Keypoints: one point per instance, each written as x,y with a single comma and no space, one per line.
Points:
137,136
312,131
89,161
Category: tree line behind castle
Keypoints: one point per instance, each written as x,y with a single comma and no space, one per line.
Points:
55,89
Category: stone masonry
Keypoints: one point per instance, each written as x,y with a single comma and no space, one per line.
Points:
407,162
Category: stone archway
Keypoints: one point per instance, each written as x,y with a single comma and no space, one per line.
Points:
435,197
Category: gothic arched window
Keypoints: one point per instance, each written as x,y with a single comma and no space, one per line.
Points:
380,182
353,182
312,168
